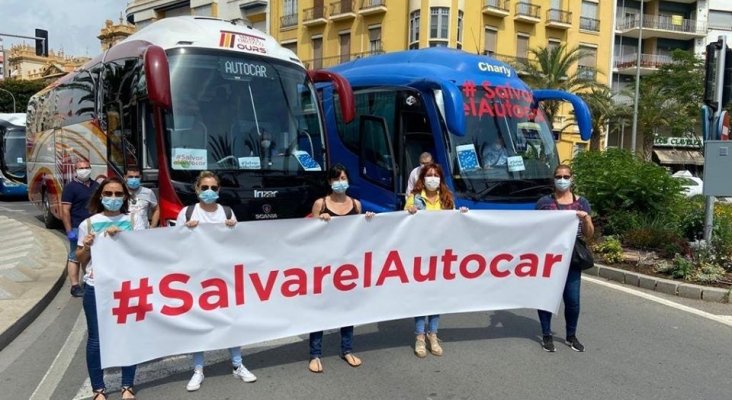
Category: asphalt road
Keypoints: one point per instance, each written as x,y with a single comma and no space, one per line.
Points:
637,348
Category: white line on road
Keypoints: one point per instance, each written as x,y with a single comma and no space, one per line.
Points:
726,320
61,363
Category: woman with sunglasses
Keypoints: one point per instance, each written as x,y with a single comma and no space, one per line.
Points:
207,211
564,199
108,206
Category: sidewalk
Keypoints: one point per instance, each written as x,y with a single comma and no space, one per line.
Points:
32,269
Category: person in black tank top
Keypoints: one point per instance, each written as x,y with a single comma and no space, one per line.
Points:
336,204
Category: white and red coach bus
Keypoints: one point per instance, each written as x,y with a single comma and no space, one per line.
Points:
183,95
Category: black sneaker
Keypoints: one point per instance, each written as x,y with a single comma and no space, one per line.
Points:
77,291
575,344
547,343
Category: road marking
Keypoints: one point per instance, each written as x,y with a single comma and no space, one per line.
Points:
723,319
61,363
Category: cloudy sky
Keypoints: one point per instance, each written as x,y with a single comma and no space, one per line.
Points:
72,25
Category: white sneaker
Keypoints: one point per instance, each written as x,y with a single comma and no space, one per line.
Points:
243,373
196,380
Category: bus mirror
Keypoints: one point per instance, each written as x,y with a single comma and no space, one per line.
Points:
342,87
157,75
452,103
581,111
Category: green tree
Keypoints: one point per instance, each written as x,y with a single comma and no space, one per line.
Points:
604,109
22,90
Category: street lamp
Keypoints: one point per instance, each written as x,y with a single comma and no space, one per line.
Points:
11,95
634,132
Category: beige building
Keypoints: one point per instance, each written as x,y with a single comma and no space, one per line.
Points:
23,63
113,33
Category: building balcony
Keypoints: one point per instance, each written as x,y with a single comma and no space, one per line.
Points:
496,8
527,12
649,63
556,18
253,7
314,16
661,26
342,10
288,21
372,7
586,73
589,24
331,61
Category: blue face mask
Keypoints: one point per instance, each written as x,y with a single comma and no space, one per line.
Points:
562,184
339,186
112,203
208,196
133,183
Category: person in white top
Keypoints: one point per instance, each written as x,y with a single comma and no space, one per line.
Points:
143,203
207,211
424,159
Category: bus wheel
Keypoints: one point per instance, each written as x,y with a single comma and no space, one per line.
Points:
49,220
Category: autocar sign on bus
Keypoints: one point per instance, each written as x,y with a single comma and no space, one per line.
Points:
239,70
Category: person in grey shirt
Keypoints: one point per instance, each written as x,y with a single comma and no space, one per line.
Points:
424,159
143,202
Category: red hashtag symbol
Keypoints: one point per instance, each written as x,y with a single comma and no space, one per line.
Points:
124,297
469,89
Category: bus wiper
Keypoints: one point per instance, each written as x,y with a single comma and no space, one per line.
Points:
545,186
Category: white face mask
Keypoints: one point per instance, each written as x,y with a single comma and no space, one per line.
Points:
432,182
266,143
83,173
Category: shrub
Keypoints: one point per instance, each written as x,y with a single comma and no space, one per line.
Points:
680,267
610,249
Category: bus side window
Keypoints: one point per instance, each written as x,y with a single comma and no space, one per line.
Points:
150,160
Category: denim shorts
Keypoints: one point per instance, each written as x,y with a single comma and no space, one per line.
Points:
72,250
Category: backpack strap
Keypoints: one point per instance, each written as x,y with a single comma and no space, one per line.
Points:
228,212
322,209
189,212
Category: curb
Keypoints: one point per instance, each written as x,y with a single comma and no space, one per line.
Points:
33,271
668,286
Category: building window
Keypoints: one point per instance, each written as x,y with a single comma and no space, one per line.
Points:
414,29
587,65
317,53
522,46
292,46
345,39
553,44
289,13
439,21
491,40
438,43
460,27
375,40
720,20
588,19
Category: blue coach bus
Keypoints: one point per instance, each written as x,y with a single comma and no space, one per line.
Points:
12,156
461,108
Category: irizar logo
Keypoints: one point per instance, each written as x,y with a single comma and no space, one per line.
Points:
260,194
500,69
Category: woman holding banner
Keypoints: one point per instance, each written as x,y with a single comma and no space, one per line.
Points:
429,193
208,211
336,204
108,206
564,199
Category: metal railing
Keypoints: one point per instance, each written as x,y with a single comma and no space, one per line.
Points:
502,5
310,14
663,22
590,24
527,10
341,7
561,16
587,73
325,62
647,61
287,21
373,3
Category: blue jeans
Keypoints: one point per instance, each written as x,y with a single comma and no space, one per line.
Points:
316,342
73,245
93,358
419,323
571,297
234,352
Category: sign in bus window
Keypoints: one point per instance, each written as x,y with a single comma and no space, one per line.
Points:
467,157
250,163
239,70
189,159
306,161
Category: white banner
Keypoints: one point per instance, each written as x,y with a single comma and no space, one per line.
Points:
178,290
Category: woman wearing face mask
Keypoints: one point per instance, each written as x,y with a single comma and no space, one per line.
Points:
336,204
430,193
109,216
207,211
564,199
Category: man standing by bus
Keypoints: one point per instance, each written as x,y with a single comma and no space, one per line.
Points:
424,159
143,203
74,209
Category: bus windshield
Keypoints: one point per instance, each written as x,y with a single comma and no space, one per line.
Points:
14,153
508,152
241,112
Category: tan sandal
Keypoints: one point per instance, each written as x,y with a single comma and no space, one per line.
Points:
420,347
352,360
128,390
315,366
434,344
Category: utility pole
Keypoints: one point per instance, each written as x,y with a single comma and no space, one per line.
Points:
634,132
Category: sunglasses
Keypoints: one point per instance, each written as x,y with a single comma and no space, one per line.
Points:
113,194
562,176
213,187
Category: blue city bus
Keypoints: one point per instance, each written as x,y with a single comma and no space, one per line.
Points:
12,156
458,106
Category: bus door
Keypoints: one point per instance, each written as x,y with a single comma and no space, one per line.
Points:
415,138
377,167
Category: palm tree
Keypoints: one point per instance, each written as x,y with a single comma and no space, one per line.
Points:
549,68
603,109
